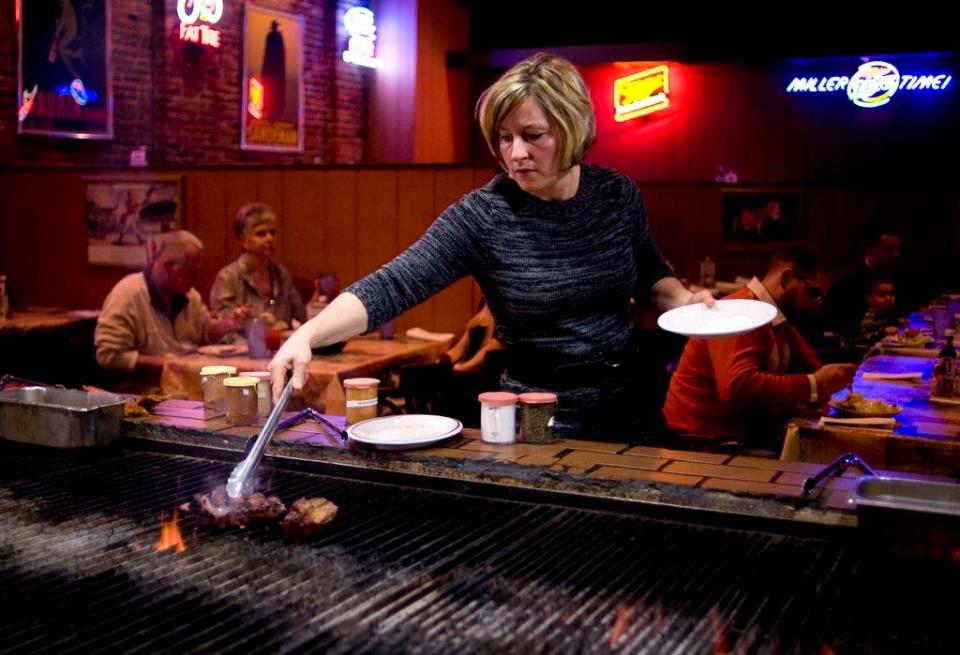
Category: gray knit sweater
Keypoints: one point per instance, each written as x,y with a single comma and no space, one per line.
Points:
557,275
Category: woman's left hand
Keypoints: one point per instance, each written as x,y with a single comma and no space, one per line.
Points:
703,296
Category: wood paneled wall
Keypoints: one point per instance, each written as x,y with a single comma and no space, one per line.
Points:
352,219
346,220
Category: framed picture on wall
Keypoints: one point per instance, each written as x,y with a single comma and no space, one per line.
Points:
272,105
123,213
63,81
759,218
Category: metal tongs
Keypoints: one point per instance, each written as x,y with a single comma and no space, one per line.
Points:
239,483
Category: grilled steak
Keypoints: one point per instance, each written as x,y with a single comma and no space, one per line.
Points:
307,516
221,510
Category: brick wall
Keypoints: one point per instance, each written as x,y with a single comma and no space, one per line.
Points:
184,103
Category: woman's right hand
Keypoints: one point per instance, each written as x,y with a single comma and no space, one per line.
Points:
343,318
295,355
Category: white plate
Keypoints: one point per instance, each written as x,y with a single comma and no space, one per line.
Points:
727,318
404,431
224,350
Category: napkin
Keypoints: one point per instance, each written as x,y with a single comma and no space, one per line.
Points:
878,422
426,335
913,375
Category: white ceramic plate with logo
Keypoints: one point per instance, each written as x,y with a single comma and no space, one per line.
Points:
727,318
404,431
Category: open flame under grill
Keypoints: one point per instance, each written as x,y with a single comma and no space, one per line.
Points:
408,570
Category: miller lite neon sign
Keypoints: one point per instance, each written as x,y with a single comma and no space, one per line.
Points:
641,93
196,18
873,84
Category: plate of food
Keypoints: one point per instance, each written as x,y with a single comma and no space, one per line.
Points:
909,338
404,431
224,350
727,318
858,406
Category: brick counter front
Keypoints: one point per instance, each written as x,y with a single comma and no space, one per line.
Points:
730,485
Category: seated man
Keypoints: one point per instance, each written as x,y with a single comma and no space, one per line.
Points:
845,304
149,315
744,386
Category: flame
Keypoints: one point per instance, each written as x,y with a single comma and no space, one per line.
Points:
170,536
622,623
720,646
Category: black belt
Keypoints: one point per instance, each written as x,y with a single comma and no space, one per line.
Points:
542,370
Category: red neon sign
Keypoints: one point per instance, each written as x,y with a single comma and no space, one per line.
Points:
641,93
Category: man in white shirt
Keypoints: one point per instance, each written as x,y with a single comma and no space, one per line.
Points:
150,315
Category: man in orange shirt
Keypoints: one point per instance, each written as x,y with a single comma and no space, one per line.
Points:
744,386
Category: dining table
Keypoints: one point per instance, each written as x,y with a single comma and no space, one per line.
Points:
921,435
364,356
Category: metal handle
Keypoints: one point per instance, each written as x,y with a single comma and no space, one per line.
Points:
238,484
836,467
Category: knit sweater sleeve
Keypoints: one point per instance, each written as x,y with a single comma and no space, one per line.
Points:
743,384
446,252
651,264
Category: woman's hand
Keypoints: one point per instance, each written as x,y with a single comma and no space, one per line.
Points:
669,293
343,318
703,296
295,353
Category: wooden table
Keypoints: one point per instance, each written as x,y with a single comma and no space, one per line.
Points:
926,438
49,344
367,356
36,320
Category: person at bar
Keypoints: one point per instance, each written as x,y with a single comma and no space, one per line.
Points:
150,315
254,283
846,303
558,247
743,387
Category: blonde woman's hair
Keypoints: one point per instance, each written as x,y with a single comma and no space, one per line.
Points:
554,83
251,215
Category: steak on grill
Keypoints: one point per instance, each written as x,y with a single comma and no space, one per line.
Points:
221,510
307,516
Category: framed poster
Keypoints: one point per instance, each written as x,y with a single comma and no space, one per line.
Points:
272,114
758,218
122,213
63,81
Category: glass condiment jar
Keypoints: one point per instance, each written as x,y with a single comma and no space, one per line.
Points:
264,390
240,400
361,394
211,382
537,413
498,416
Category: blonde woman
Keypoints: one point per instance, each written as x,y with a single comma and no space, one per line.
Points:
254,283
557,246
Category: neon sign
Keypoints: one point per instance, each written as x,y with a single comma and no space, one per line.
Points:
358,21
873,84
641,93
208,12
255,95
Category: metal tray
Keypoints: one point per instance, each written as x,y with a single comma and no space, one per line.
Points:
61,418
910,518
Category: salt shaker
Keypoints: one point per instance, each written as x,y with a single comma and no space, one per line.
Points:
498,416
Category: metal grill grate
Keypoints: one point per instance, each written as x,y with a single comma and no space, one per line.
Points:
404,570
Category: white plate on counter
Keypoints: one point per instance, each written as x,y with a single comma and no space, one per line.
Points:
727,318
404,431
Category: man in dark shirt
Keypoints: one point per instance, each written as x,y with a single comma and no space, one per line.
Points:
846,302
